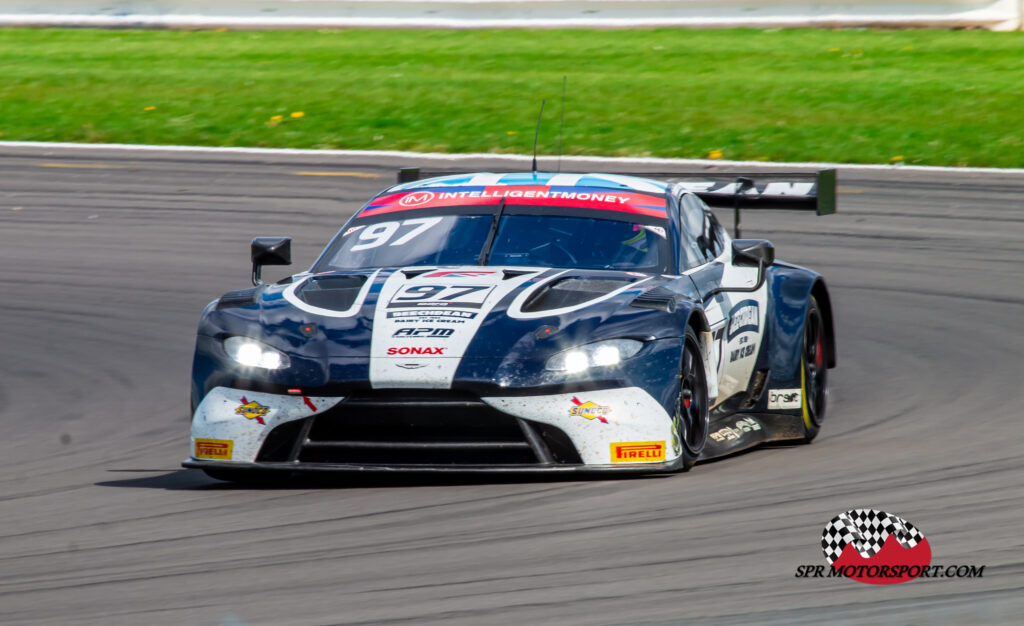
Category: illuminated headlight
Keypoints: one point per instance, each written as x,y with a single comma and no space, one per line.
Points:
596,354
252,353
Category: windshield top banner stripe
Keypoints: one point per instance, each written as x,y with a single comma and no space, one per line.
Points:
534,195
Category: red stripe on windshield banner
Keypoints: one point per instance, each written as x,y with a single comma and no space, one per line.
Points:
598,199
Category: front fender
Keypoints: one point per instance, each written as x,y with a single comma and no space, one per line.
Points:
790,288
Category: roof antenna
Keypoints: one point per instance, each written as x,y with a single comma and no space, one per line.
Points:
536,134
561,124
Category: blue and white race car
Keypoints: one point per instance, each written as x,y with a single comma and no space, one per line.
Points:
519,322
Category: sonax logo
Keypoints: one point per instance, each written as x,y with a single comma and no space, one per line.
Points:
422,351
217,449
416,199
638,451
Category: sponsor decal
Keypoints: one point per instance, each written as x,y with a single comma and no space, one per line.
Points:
456,297
742,352
411,366
657,230
878,548
537,194
784,399
743,318
457,274
450,315
418,198
732,433
421,351
353,229
589,410
579,197
425,331
638,451
252,410
216,449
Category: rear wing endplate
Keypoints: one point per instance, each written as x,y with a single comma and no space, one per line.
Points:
815,191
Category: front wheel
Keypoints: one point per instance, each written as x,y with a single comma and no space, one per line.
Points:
691,418
813,372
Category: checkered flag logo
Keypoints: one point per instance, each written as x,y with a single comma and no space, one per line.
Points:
867,530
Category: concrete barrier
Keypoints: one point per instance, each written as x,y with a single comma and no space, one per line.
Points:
990,14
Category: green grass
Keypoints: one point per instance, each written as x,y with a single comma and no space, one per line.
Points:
933,97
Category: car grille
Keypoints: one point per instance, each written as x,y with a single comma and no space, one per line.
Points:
393,427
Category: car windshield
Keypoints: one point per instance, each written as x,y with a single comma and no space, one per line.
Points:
522,240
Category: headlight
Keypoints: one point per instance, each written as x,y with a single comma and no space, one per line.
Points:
609,352
252,353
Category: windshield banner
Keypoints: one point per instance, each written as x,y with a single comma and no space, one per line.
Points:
534,195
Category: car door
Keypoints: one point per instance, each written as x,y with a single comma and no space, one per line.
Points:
734,311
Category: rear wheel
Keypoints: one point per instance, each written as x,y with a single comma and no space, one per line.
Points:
813,372
691,418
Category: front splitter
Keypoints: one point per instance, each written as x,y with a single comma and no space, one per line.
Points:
646,468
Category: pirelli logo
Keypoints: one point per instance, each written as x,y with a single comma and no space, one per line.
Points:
638,451
218,449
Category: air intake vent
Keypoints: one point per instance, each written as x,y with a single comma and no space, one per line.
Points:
238,299
571,291
658,298
336,293
423,429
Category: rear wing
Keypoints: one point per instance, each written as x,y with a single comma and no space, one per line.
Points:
759,191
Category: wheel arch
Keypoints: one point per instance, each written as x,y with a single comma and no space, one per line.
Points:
820,293
699,323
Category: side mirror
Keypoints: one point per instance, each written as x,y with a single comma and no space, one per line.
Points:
752,253
269,251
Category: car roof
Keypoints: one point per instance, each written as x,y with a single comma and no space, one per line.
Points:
547,179
617,196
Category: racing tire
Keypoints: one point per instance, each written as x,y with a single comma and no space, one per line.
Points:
813,372
692,410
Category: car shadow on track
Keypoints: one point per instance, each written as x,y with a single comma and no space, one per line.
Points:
196,480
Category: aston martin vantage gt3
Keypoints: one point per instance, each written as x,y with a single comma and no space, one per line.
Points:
519,322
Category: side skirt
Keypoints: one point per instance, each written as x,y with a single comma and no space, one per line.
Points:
740,431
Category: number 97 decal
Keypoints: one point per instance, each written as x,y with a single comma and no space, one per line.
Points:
379,234
458,297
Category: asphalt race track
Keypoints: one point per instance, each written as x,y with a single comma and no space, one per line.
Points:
107,258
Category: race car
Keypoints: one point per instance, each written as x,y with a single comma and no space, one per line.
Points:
525,322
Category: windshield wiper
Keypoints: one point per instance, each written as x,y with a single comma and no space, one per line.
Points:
485,253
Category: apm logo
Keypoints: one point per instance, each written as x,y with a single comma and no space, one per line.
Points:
425,331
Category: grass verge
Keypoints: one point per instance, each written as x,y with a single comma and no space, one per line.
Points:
927,97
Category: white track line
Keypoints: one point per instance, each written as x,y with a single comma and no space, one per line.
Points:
513,158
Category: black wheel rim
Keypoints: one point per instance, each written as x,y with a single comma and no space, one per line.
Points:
692,406
814,366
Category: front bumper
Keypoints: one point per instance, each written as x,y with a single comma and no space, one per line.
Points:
608,430
642,468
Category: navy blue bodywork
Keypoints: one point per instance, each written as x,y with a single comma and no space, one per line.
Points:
506,357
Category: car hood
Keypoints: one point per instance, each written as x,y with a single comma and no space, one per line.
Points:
428,319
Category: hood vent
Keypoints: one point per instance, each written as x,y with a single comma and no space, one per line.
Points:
336,293
658,298
571,292
238,299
